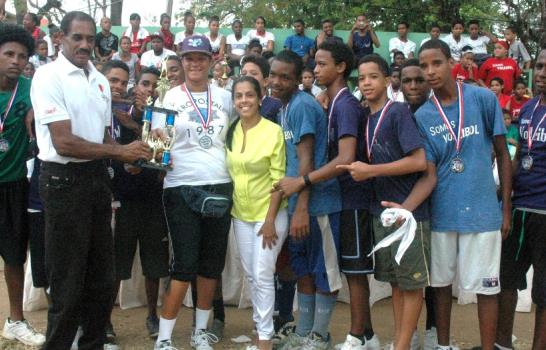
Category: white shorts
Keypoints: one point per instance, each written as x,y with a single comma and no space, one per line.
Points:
475,255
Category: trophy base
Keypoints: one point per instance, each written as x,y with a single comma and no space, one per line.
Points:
156,166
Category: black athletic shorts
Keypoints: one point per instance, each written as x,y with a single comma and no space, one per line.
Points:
356,242
198,243
142,222
14,221
525,246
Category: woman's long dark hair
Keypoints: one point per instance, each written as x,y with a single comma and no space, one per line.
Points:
257,89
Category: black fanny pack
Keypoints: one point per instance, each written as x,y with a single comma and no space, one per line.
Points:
208,204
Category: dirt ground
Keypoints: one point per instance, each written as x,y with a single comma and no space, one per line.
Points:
132,334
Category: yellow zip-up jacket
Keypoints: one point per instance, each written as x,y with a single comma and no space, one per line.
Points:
256,169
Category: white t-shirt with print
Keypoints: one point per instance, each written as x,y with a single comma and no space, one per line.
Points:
253,34
406,47
198,154
180,36
455,46
479,45
238,47
150,59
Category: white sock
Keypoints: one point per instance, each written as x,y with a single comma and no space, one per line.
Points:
502,347
165,329
201,318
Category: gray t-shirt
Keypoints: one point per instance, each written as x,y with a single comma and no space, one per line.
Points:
519,53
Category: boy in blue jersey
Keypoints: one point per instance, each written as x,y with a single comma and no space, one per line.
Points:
397,163
314,212
526,244
334,62
462,125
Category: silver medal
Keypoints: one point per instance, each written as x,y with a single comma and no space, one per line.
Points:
457,165
527,162
4,145
205,142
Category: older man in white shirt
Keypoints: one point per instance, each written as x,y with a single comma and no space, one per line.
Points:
72,105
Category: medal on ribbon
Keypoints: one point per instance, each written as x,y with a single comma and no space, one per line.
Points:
205,141
457,164
527,160
4,143
369,144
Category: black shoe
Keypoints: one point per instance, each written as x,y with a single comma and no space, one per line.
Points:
152,324
110,334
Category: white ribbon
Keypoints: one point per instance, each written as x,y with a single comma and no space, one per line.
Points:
405,233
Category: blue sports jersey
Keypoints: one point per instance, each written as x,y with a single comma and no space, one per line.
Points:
304,116
464,202
530,185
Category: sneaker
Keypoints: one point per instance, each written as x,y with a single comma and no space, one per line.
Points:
431,339
293,341
283,333
110,334
201,340
164,345
279,322
152,324
110,346
252,347
373,343
217,328
351,343
23,332
415,341
451,347
316,342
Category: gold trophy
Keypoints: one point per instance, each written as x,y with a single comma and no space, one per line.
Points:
151,112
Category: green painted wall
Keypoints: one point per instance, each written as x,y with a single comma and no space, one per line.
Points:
282,34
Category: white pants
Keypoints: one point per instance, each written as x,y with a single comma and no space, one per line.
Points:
259,266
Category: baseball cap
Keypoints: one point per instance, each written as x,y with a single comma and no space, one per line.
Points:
196,43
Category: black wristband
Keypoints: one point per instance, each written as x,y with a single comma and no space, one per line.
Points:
306,180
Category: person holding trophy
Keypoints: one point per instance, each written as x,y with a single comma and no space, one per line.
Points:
197,191
139,217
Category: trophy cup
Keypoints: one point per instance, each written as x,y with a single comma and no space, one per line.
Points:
157,112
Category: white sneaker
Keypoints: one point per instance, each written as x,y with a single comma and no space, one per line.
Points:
164,345
315,341
351,343
23,332
251,347
415,341
111,346
201,340
373,343
431,339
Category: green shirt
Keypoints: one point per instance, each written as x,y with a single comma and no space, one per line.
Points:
13,162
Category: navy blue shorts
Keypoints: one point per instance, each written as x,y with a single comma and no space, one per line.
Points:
525,246
318,254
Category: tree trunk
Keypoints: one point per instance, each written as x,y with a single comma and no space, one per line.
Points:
115,12
20,10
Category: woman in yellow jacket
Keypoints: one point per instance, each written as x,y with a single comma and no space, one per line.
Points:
256,160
